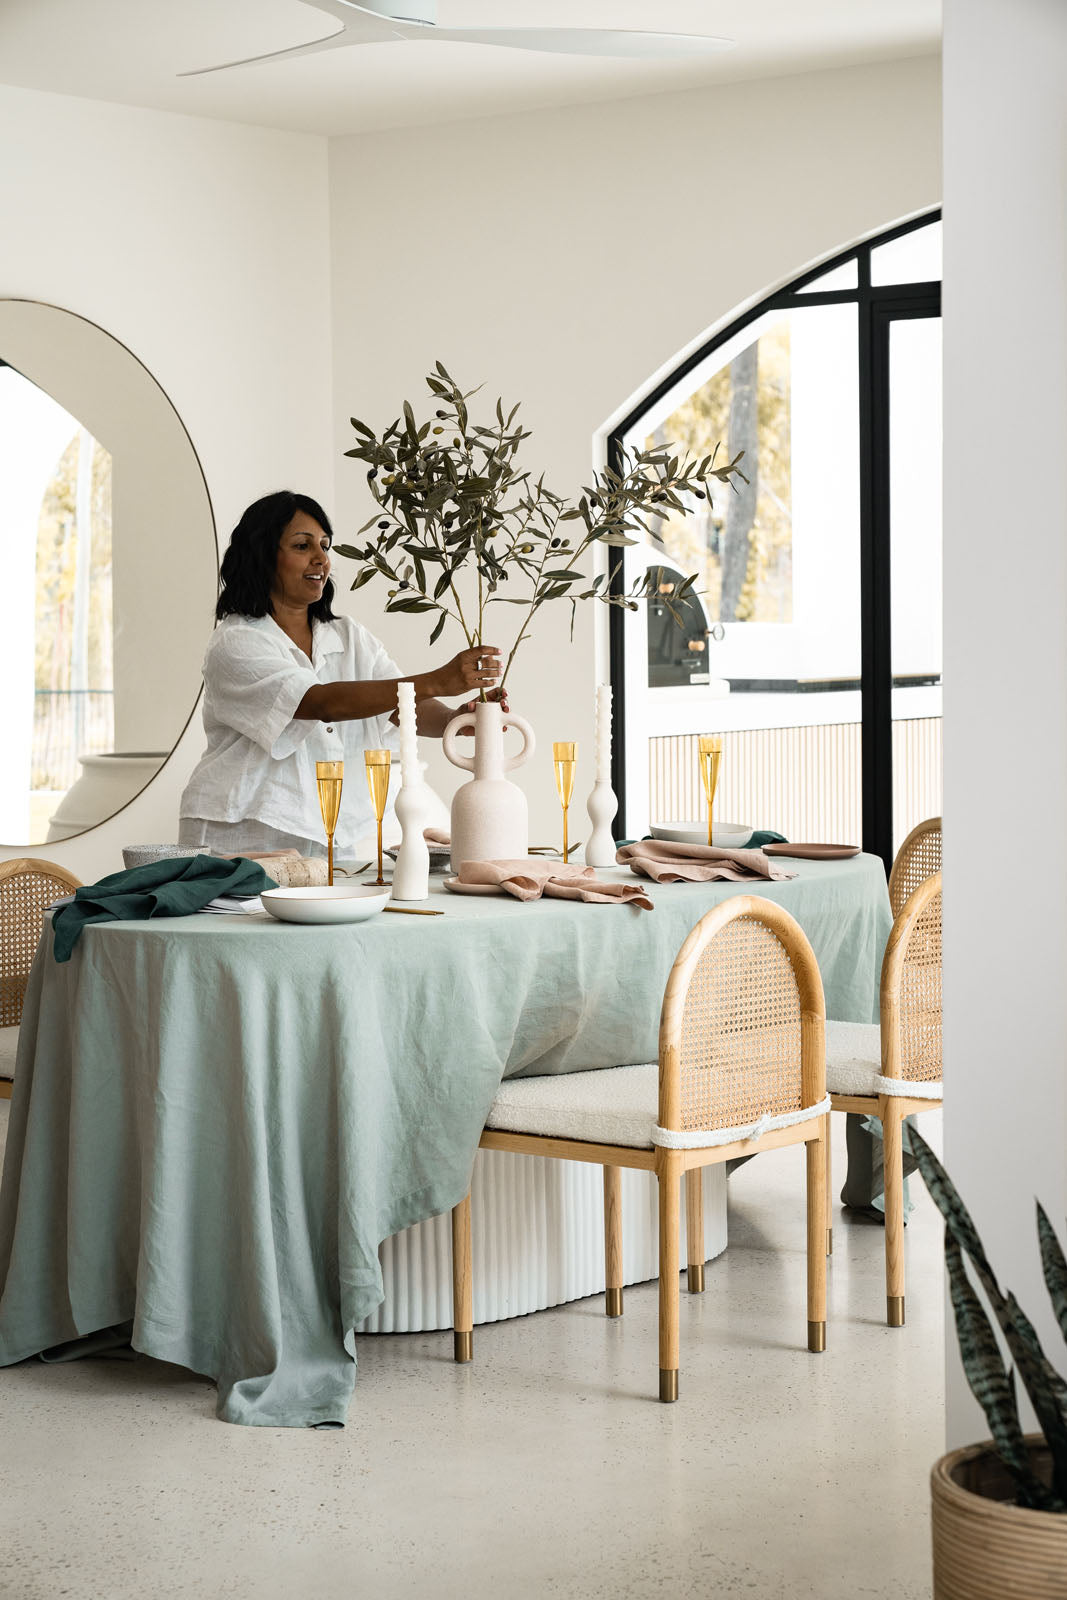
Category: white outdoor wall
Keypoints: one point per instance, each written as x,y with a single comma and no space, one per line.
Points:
1005,324
203,246
561,257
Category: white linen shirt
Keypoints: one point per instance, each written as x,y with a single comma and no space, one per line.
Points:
259,765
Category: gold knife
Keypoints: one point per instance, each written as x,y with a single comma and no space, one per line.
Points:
413,911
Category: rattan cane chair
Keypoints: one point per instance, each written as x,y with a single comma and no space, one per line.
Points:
918,858
27,889
741,1069
893,1069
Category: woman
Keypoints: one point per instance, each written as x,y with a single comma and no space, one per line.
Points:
287,683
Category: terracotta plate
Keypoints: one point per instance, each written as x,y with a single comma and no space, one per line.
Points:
813,852
474,888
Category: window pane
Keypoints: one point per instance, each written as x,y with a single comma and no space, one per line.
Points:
843,277
778,566
915,532
913,258
56,655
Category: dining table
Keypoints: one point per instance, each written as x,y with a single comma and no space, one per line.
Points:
219,1122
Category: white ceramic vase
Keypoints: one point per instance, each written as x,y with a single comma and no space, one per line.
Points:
415,813
490,818
601,806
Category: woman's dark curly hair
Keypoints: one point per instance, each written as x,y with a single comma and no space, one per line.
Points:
252,554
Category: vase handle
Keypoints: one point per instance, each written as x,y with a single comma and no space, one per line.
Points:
529,743
448,740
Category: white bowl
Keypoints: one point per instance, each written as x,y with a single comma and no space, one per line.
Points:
726,835
341,902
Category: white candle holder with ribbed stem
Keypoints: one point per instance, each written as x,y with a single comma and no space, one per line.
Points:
602,803
411,874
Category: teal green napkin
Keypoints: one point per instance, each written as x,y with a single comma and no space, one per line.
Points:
171,888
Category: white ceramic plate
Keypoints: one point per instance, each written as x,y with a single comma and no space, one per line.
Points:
474,888
440,856
343,902
726,835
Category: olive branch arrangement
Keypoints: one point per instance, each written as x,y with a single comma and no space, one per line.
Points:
451,493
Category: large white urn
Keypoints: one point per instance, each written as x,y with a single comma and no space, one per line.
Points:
490,818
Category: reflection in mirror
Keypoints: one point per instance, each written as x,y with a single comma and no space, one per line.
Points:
101,492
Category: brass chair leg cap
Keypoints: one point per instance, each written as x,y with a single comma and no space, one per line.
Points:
829,1241
894,1310
696,1278
668,1384
816,1337
463,1346
613,1302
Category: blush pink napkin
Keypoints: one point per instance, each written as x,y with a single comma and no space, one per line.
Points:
667,862
438,836
531,877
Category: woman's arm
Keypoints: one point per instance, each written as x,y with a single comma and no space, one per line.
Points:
477,668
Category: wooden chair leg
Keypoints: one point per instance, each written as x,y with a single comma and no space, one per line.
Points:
668,1173
816,1208
462,1282
829,1187
613,1241
694,1229
893,1162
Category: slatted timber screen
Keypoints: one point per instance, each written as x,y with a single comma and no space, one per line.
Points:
803,782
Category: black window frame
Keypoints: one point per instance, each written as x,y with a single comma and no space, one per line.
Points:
878,306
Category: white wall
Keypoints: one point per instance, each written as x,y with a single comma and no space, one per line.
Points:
203,246
561,257
1005,326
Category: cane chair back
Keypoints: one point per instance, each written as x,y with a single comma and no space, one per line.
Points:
918,858
732,1038
911,989
27,888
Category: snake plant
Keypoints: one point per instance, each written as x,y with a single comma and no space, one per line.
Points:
992,1382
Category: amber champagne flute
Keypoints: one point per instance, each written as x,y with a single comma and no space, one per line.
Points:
329,775
710,761
564,757
378,784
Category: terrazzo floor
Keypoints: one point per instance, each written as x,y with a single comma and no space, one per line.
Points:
547,1468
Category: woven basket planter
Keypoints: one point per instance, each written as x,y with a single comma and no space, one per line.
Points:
985,1546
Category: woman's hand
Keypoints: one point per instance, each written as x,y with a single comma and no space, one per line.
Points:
477,668
497,696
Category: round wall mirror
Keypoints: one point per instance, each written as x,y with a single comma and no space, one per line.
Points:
111,565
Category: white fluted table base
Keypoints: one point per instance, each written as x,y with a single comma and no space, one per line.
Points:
537,1234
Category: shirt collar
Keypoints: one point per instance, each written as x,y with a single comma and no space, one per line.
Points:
325,638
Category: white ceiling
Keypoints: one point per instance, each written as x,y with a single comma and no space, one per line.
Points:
132,51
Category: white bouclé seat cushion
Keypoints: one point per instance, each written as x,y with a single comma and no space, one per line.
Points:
610,1105
9,1043
854,1064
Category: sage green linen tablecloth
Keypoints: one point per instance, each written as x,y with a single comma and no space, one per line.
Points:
216,1120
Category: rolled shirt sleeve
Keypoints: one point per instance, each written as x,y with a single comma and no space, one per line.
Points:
256,690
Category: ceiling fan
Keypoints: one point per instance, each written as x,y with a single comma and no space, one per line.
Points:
387,21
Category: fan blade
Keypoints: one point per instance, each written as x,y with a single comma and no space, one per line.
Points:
625,43
376,30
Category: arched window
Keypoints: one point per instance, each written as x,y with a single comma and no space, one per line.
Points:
817,653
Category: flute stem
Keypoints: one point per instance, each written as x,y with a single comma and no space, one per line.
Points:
329,859
380,879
